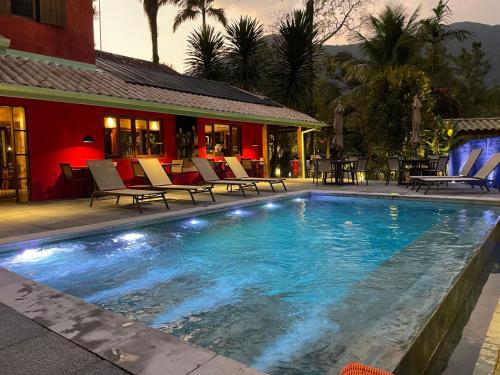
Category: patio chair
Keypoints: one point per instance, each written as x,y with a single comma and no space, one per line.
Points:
72,179
394,169
211,178
354,368
438,168
479,179
109,183
159,180
137,171
240,173
464,172
322,167
361,167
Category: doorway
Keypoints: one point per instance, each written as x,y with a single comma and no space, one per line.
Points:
14,170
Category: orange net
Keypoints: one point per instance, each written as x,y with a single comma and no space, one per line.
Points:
359,369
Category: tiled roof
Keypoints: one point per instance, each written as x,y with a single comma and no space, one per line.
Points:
21,71
476,124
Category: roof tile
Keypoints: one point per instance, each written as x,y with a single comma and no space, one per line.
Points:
26,72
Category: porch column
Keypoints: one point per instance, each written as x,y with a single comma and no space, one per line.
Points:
265,150
300,152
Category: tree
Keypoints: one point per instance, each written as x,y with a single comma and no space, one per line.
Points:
393,39
295,48
471,68
245,58
191,9
151,8
435,32
333,17
205,53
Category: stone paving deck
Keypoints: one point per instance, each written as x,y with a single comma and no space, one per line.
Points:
31,347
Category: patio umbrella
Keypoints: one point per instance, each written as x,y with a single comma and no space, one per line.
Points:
338,125
415,122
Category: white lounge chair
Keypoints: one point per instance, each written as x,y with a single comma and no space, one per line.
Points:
159,180
479,179
211,178
240,174
464,172
109,183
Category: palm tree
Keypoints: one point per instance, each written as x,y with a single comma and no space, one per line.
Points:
295,49
394,39
191,9
245,58
436,31
205,53
151,8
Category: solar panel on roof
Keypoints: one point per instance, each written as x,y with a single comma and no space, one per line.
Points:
159,78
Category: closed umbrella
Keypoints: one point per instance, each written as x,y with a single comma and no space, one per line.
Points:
338,125
415,122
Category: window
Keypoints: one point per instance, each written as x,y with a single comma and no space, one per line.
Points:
24,8
222,140
14,163
131,137
52,12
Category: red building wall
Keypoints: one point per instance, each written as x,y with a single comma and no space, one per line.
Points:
75,41
56,131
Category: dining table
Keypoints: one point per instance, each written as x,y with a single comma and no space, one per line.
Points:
414,167
338,169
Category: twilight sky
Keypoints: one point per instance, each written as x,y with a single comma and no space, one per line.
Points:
125,29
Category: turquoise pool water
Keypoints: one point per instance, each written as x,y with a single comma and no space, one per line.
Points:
299,286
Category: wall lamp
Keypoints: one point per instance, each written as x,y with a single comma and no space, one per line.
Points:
88,139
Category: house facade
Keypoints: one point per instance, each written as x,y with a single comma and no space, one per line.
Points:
61,101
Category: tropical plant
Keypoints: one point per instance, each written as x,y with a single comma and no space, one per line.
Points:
151,8
245,60
393,39
192,9
295,49
435,32
205,53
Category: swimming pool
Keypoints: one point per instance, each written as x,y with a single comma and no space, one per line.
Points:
294,286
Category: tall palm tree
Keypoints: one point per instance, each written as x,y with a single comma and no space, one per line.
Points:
295,49
205,53
191,9
245,46
394,39
436,32
151,8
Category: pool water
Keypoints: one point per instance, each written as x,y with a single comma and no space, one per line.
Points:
299,286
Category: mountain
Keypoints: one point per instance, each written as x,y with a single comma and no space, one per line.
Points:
487,35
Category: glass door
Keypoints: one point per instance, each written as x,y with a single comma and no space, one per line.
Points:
14,163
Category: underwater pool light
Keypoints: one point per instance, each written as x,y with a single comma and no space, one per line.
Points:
131,237
194,222
33,255
270,205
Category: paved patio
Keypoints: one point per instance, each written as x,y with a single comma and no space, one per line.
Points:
20,348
